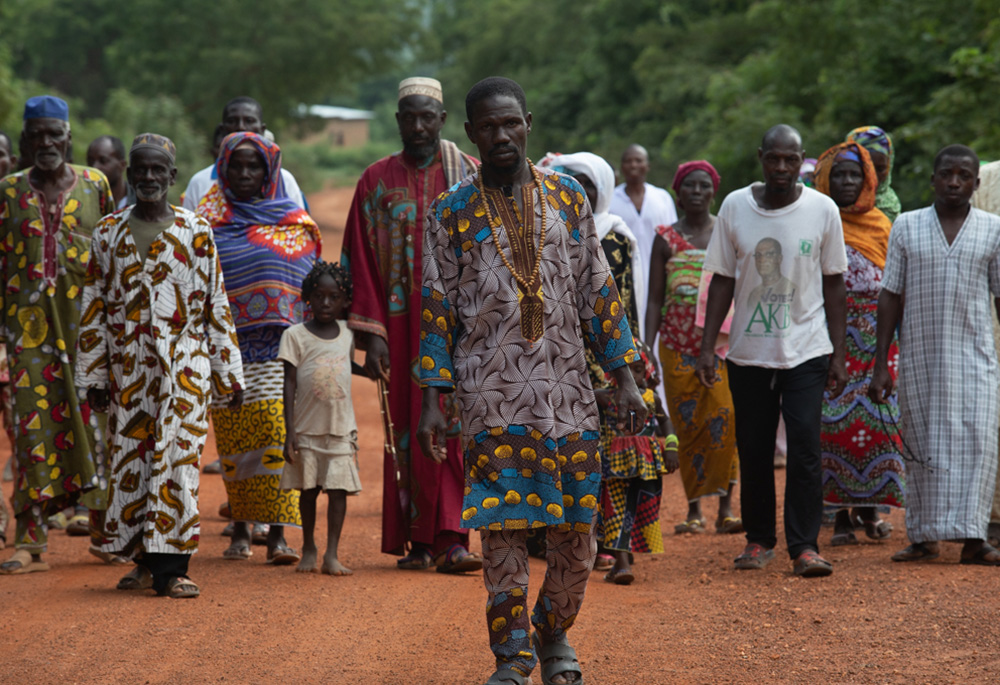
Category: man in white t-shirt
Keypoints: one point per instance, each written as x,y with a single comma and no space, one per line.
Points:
240,114
779,248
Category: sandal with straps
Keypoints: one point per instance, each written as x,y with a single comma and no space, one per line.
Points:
138,578
457,559
556,658
181,588
505,676
696,526
417,560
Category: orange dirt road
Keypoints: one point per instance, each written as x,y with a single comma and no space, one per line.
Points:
689,618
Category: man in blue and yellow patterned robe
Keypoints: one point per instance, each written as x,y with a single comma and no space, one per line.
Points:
507,336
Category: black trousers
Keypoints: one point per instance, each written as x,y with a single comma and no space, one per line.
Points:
164,566
759,394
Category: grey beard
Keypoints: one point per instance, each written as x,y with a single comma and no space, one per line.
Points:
145,196
421,151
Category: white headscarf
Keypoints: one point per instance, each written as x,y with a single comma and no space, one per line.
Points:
602,175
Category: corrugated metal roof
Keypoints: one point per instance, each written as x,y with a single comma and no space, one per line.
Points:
331,112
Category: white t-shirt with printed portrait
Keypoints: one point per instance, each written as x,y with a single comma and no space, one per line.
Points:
778,258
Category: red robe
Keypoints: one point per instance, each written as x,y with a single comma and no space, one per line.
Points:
382,249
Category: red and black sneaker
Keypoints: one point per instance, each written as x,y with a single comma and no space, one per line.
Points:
753,557
810,564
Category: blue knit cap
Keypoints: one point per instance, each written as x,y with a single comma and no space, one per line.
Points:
46,107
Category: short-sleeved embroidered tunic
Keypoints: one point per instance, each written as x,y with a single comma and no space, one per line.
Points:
529,420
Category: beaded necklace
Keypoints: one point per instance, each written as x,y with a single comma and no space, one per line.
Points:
530,292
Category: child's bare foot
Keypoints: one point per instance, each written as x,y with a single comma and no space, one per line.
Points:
308,562
333,567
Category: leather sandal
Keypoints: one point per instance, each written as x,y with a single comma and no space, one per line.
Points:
417,560
182,588
696,526
918,551
282,555
22,562
138,578
457,559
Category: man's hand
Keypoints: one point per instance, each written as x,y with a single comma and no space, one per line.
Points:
628,400
881,386
376,357
291,446
705,370
237,399
432,427
99,399
836,379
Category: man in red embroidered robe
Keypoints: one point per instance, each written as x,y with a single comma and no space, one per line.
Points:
421,500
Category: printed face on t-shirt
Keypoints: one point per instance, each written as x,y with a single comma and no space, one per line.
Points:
771,301
767,259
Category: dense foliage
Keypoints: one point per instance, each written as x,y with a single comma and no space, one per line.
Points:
704,78
686,78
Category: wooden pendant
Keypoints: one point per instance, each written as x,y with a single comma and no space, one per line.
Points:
532,311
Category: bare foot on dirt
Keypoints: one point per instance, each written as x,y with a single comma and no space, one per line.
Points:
332,567
308,561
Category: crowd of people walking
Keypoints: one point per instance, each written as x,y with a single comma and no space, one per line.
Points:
548,346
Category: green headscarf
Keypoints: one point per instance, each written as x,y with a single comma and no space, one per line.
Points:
874,139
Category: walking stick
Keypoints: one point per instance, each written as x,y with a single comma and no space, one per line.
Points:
390,442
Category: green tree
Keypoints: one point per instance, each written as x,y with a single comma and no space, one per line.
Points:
281,52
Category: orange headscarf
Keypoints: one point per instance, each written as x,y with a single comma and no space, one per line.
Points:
866,229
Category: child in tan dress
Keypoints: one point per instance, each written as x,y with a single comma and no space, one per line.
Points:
322,440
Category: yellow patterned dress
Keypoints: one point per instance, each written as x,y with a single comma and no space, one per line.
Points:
702,417
158,333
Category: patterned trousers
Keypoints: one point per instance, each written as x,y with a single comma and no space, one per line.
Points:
570,557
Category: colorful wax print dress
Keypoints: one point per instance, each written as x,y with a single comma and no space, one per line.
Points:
267,247
44,251
632,484
702,417
862,462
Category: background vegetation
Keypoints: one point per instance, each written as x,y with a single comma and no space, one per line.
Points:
687,78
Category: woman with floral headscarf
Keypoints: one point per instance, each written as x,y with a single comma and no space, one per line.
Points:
620,245
862,466
267,244
702,417
878,143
